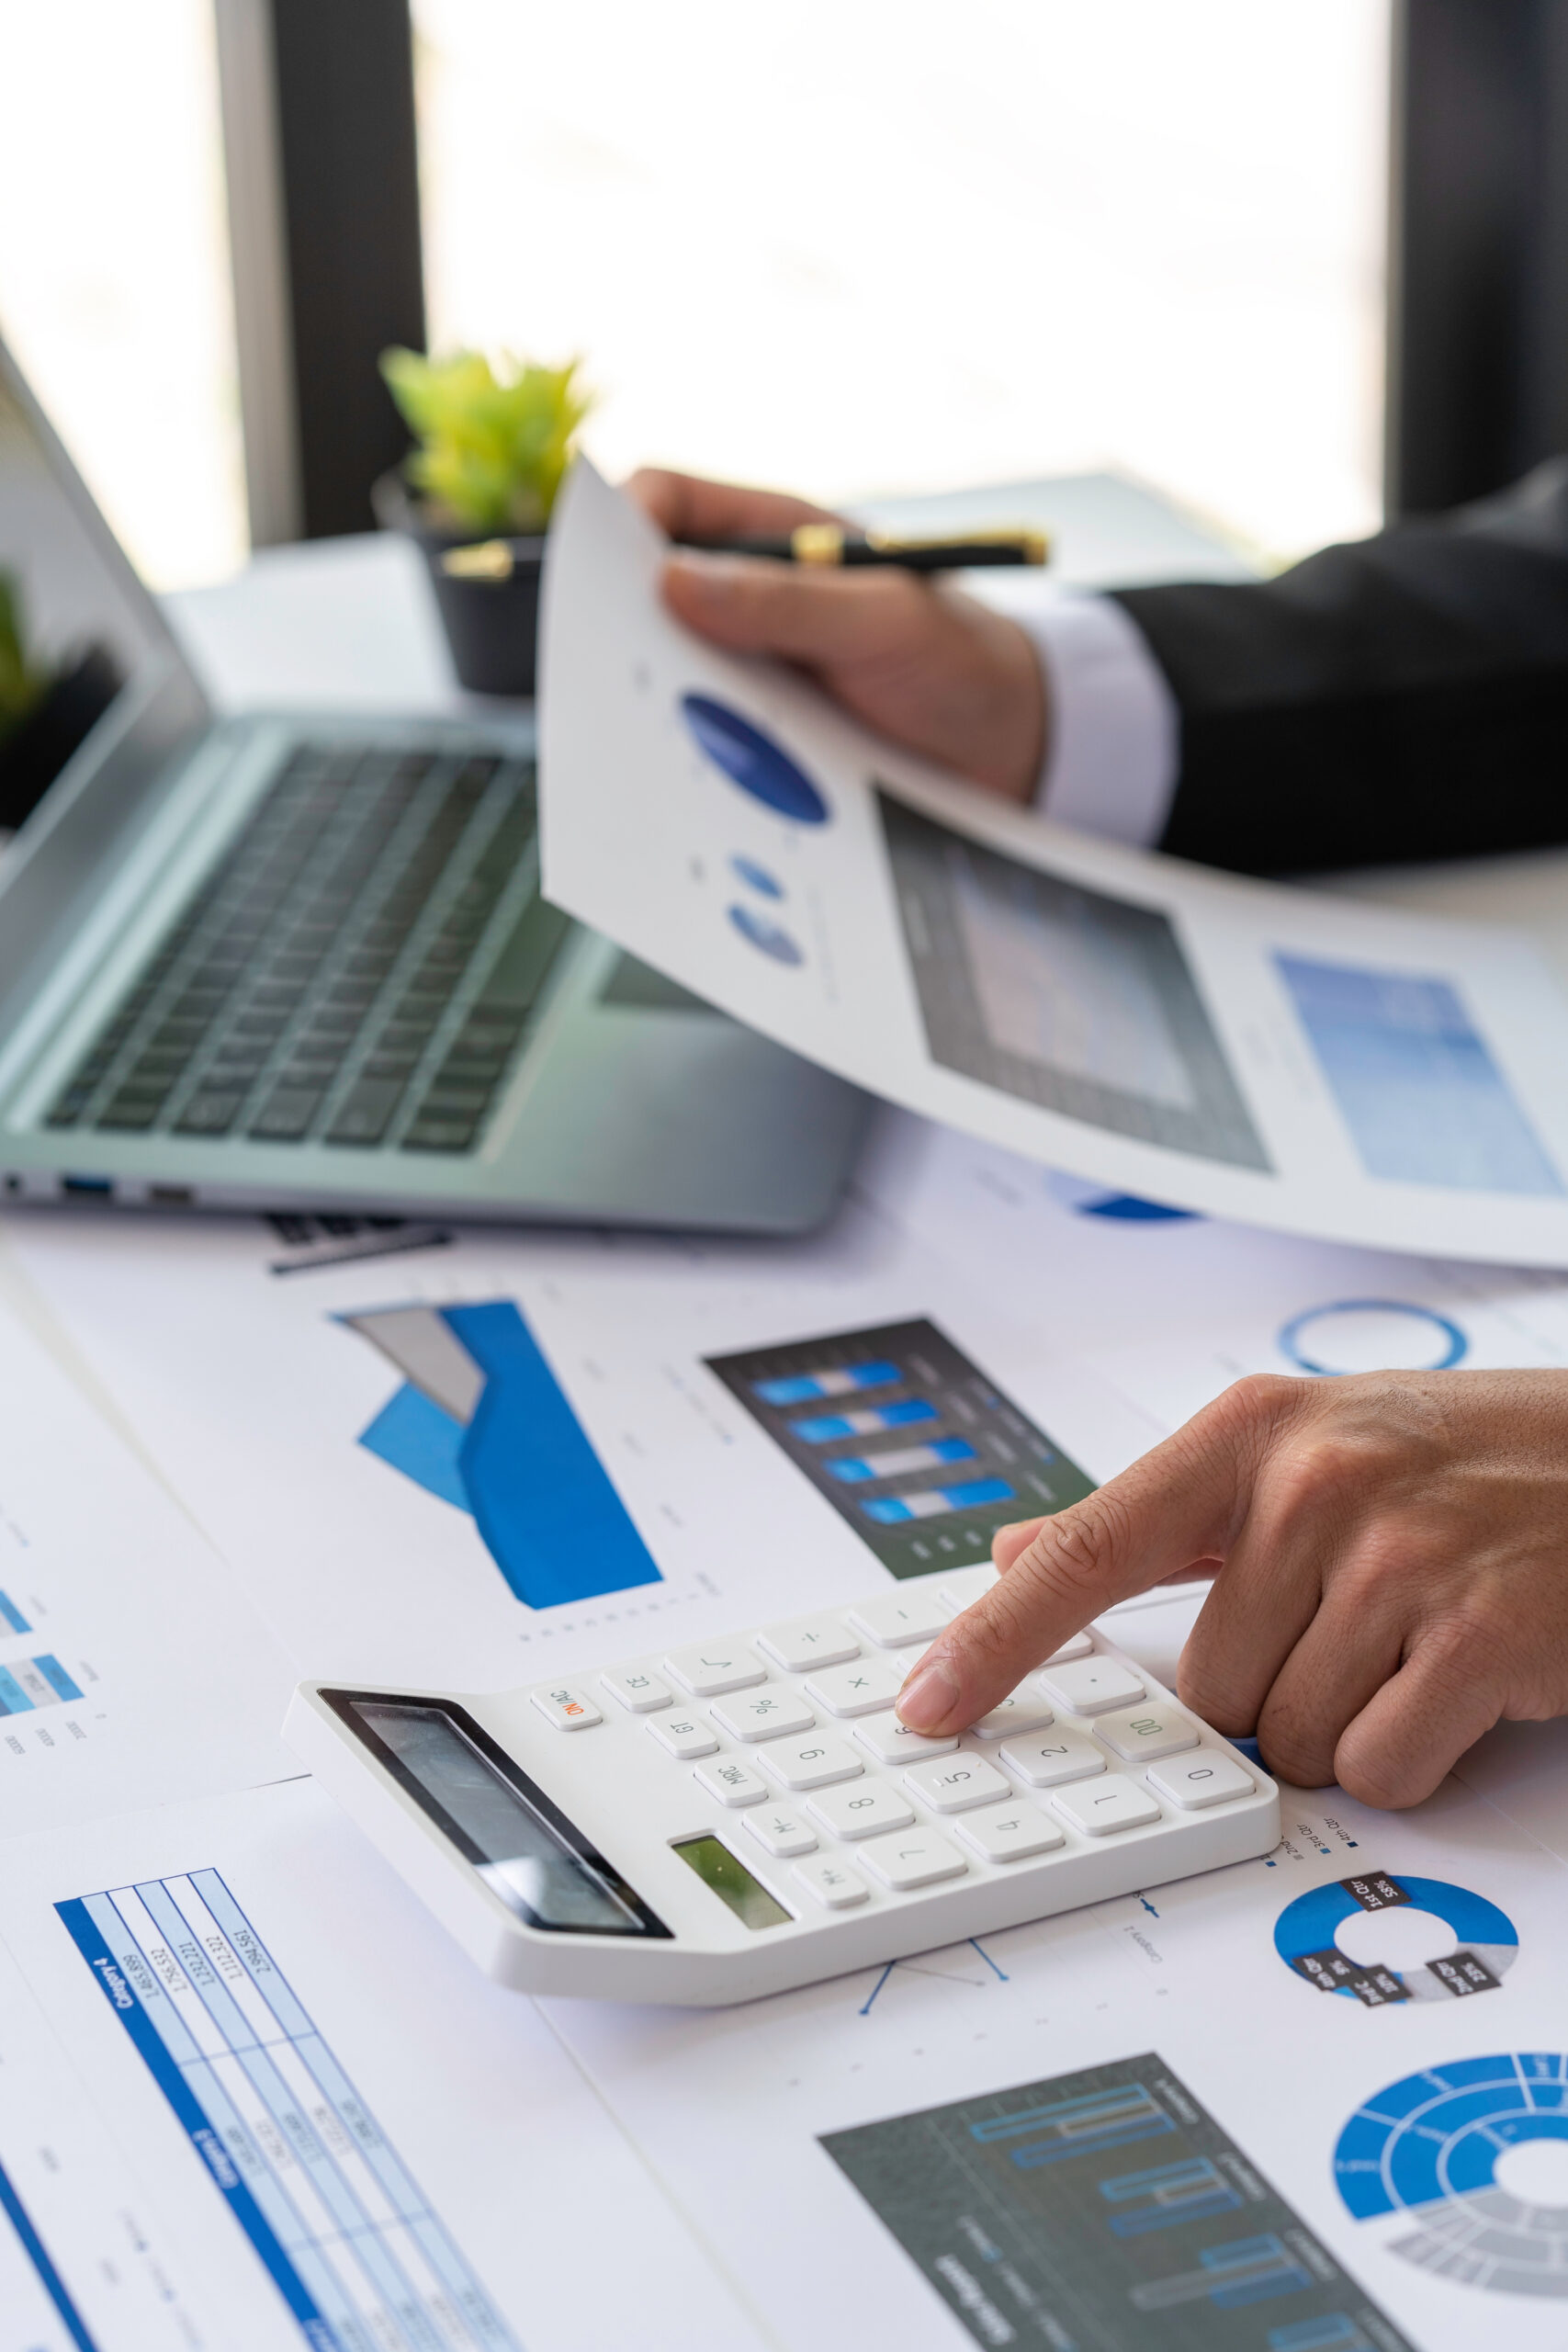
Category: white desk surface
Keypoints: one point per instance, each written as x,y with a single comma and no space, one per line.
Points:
351,623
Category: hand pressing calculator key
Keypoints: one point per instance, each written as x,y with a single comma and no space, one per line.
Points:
747,1813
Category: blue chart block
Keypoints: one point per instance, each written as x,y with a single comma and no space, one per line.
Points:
11,1617
554,1524
833,1380
413,1435
823,1427
14,1700
524,1466
1416,1083
930,1503
59,1681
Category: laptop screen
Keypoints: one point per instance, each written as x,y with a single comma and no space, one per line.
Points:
75,627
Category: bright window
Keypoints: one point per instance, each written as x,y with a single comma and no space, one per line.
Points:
114,268
861,245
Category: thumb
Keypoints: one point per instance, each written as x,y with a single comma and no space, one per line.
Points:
1176,1504
801,615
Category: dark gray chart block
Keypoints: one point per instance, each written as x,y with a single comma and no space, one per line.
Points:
908,1439
1105,2210
1061,995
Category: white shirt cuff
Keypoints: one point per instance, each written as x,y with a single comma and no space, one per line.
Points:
1114,728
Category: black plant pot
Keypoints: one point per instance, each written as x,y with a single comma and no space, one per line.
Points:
492,626
33,754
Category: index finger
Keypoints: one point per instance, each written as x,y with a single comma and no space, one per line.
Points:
684,506
1182,1502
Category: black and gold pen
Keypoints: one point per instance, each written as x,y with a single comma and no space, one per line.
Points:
826,544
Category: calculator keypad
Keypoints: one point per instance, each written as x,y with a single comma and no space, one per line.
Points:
812,1763
866,1688
797,1737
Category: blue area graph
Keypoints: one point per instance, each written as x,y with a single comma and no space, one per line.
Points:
1414,1082
1431,2146
1485,1940
1307,1340
754,760
483,1424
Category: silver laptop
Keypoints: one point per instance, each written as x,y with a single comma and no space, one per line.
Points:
295,963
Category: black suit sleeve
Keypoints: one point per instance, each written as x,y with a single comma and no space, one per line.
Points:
1405,697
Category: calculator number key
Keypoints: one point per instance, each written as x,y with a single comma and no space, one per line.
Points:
1082,1646
808,1642
637,1688
953,1783
912,1857
1009,1832
893,1621
732,1782
1046,1763
568,1709
892,1742
812,1763
764,1714
1024,1709
1100,1808
1092,1686
780,1831
867,1688
860,1809
1206,1778
832,1883
708,1667
685,1736
1143,1733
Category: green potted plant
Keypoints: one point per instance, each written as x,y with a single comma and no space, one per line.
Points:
46,713
475,493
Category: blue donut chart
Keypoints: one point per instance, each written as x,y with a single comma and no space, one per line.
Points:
1308,1926
752,760
770,938
1428,2146
1452,1345
756,877
1123,1208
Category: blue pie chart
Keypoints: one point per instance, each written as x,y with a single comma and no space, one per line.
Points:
754,760
1468,2155
1305,1936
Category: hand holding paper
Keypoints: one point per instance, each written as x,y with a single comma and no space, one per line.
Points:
1389,1561
926,666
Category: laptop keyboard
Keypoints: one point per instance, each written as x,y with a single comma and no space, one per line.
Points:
357,969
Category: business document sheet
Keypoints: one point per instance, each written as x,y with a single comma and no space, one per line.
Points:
492,1460
133,1668
1273,1056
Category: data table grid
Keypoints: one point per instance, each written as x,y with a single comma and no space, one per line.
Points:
351,2245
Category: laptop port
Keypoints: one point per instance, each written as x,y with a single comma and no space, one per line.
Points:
100,1187
170,1196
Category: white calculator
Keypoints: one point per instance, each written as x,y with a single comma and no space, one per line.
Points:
747,1813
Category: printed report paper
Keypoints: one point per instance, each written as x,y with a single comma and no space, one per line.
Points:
1261,1053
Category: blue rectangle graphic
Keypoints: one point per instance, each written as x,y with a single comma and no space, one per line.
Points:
1414,1082
11,1617
832,1380
930,1503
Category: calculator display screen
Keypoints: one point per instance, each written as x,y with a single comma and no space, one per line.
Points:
732,1883
522,1845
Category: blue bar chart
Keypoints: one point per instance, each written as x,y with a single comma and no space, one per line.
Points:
908,1439
1110,2202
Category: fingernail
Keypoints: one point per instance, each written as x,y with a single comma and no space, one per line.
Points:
929,1696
